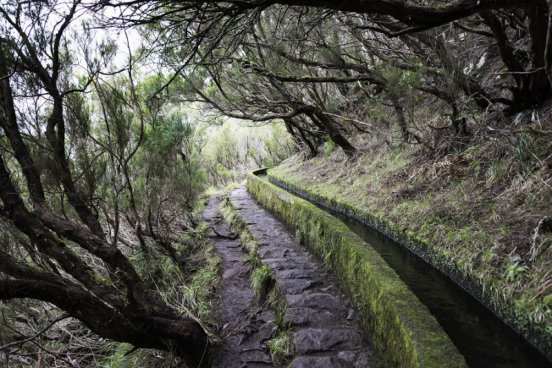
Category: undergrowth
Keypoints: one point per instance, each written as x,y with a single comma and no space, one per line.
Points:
189,291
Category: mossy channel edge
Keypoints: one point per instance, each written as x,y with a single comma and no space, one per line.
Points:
438,258
398,324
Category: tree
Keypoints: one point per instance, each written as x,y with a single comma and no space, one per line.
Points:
84,274
207,22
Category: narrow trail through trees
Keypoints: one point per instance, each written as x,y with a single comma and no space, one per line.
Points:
324,325
244,325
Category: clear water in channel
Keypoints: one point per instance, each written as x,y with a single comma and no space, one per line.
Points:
482,338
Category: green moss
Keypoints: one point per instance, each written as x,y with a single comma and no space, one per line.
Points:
401,328
329,147
103,280
459,248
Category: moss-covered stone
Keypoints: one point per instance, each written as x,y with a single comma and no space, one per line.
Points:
485,289
399,325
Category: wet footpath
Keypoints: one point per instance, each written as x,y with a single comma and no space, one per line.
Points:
324,325
244,325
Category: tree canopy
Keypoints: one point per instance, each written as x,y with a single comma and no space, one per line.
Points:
91,146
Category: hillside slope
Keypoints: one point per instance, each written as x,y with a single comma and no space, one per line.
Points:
480,208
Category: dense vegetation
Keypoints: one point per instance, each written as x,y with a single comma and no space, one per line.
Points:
116,115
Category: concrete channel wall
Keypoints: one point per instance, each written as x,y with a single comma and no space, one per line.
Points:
437,257
398,324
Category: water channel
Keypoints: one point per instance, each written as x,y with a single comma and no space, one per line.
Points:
483,338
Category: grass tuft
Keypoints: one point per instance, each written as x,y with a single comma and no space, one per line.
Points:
281,347
262,281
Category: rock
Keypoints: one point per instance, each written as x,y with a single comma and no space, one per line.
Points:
353,359
310,340
233,272
315,300
310,316
314,362
298,286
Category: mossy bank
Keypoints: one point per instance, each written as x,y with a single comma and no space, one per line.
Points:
399,326
479,228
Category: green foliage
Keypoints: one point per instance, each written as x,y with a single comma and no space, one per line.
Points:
398,80
262,281
281,347
172,153
118,357
329,147
522,150
198,291
514,272
232,150
495,172
475,165
253,258
409,78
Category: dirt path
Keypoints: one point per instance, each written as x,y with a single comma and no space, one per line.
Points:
244,325
325,328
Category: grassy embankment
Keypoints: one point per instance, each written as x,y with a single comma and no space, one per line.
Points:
479,213
191,293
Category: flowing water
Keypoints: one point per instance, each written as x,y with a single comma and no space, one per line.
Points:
483,339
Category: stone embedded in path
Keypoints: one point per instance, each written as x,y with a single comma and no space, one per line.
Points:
283,263
314,362
344,359
233,272
309,316
298,286
315,340
292,274
316,300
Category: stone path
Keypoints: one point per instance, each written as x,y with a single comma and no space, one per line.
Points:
244,325
325,328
